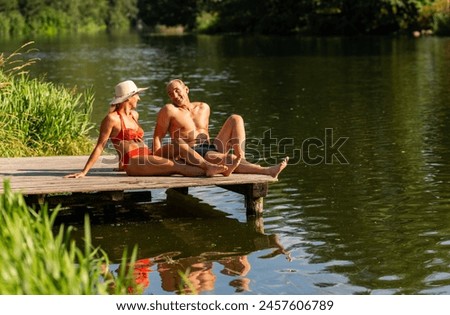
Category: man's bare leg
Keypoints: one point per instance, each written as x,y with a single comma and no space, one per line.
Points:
232,136
242,166
246,167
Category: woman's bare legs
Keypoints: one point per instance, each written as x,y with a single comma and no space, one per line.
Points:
230,160
152,165
188,154
184,151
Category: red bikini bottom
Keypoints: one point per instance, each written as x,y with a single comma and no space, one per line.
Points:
142,151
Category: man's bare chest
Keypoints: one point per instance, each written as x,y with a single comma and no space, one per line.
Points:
186,120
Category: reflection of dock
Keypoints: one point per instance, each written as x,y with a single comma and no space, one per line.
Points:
42,178
191,229
186,240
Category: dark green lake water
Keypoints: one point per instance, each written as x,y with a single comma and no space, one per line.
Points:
364,206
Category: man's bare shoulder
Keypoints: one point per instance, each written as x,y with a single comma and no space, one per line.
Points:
200,105
168,108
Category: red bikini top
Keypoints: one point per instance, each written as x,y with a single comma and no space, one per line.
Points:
127,133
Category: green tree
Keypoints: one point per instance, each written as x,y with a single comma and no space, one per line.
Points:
363,17
30,8
122,14
93,15
9,5
49,21
168,12
321,17
253,16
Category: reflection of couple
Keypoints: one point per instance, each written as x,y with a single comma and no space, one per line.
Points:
191,152
190,275
194,274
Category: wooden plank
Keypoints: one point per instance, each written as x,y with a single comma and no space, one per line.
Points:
43,176
255,190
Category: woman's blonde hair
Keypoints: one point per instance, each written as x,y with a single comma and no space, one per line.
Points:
113,107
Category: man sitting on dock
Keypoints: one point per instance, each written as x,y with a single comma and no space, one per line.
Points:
188,122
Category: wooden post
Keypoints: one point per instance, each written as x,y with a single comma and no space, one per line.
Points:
257,222
254,194
182,190
254,198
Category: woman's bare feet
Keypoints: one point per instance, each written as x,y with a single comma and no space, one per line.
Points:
275,170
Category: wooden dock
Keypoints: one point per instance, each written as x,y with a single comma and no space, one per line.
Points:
38,178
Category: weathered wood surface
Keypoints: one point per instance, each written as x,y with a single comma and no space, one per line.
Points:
45,175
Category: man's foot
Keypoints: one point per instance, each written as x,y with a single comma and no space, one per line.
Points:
275,170
232,167
213,169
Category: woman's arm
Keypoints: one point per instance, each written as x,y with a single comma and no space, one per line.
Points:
105,132
161,129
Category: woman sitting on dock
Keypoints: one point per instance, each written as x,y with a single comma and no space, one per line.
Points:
121,126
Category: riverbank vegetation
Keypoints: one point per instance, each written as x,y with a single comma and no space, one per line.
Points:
37,260
312,17
40,118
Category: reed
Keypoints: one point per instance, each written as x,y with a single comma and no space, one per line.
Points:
186,287
40,118
36,260
17,62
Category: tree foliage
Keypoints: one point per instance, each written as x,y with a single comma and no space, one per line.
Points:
168,12
322,17
51,17
363,17
253,16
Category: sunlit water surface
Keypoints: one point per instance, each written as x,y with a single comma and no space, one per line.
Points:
364,206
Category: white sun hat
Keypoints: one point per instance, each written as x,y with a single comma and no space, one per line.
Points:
125,90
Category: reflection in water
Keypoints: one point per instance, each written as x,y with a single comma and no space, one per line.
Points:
380,224
196,274
186,244
192,275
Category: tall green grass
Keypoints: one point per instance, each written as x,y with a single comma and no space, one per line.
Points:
40,118
36,260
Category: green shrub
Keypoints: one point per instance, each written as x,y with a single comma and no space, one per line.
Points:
18,25
35,260
436,16
4,25
441,23
206,21
40,118
12,24
49,22
48,119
